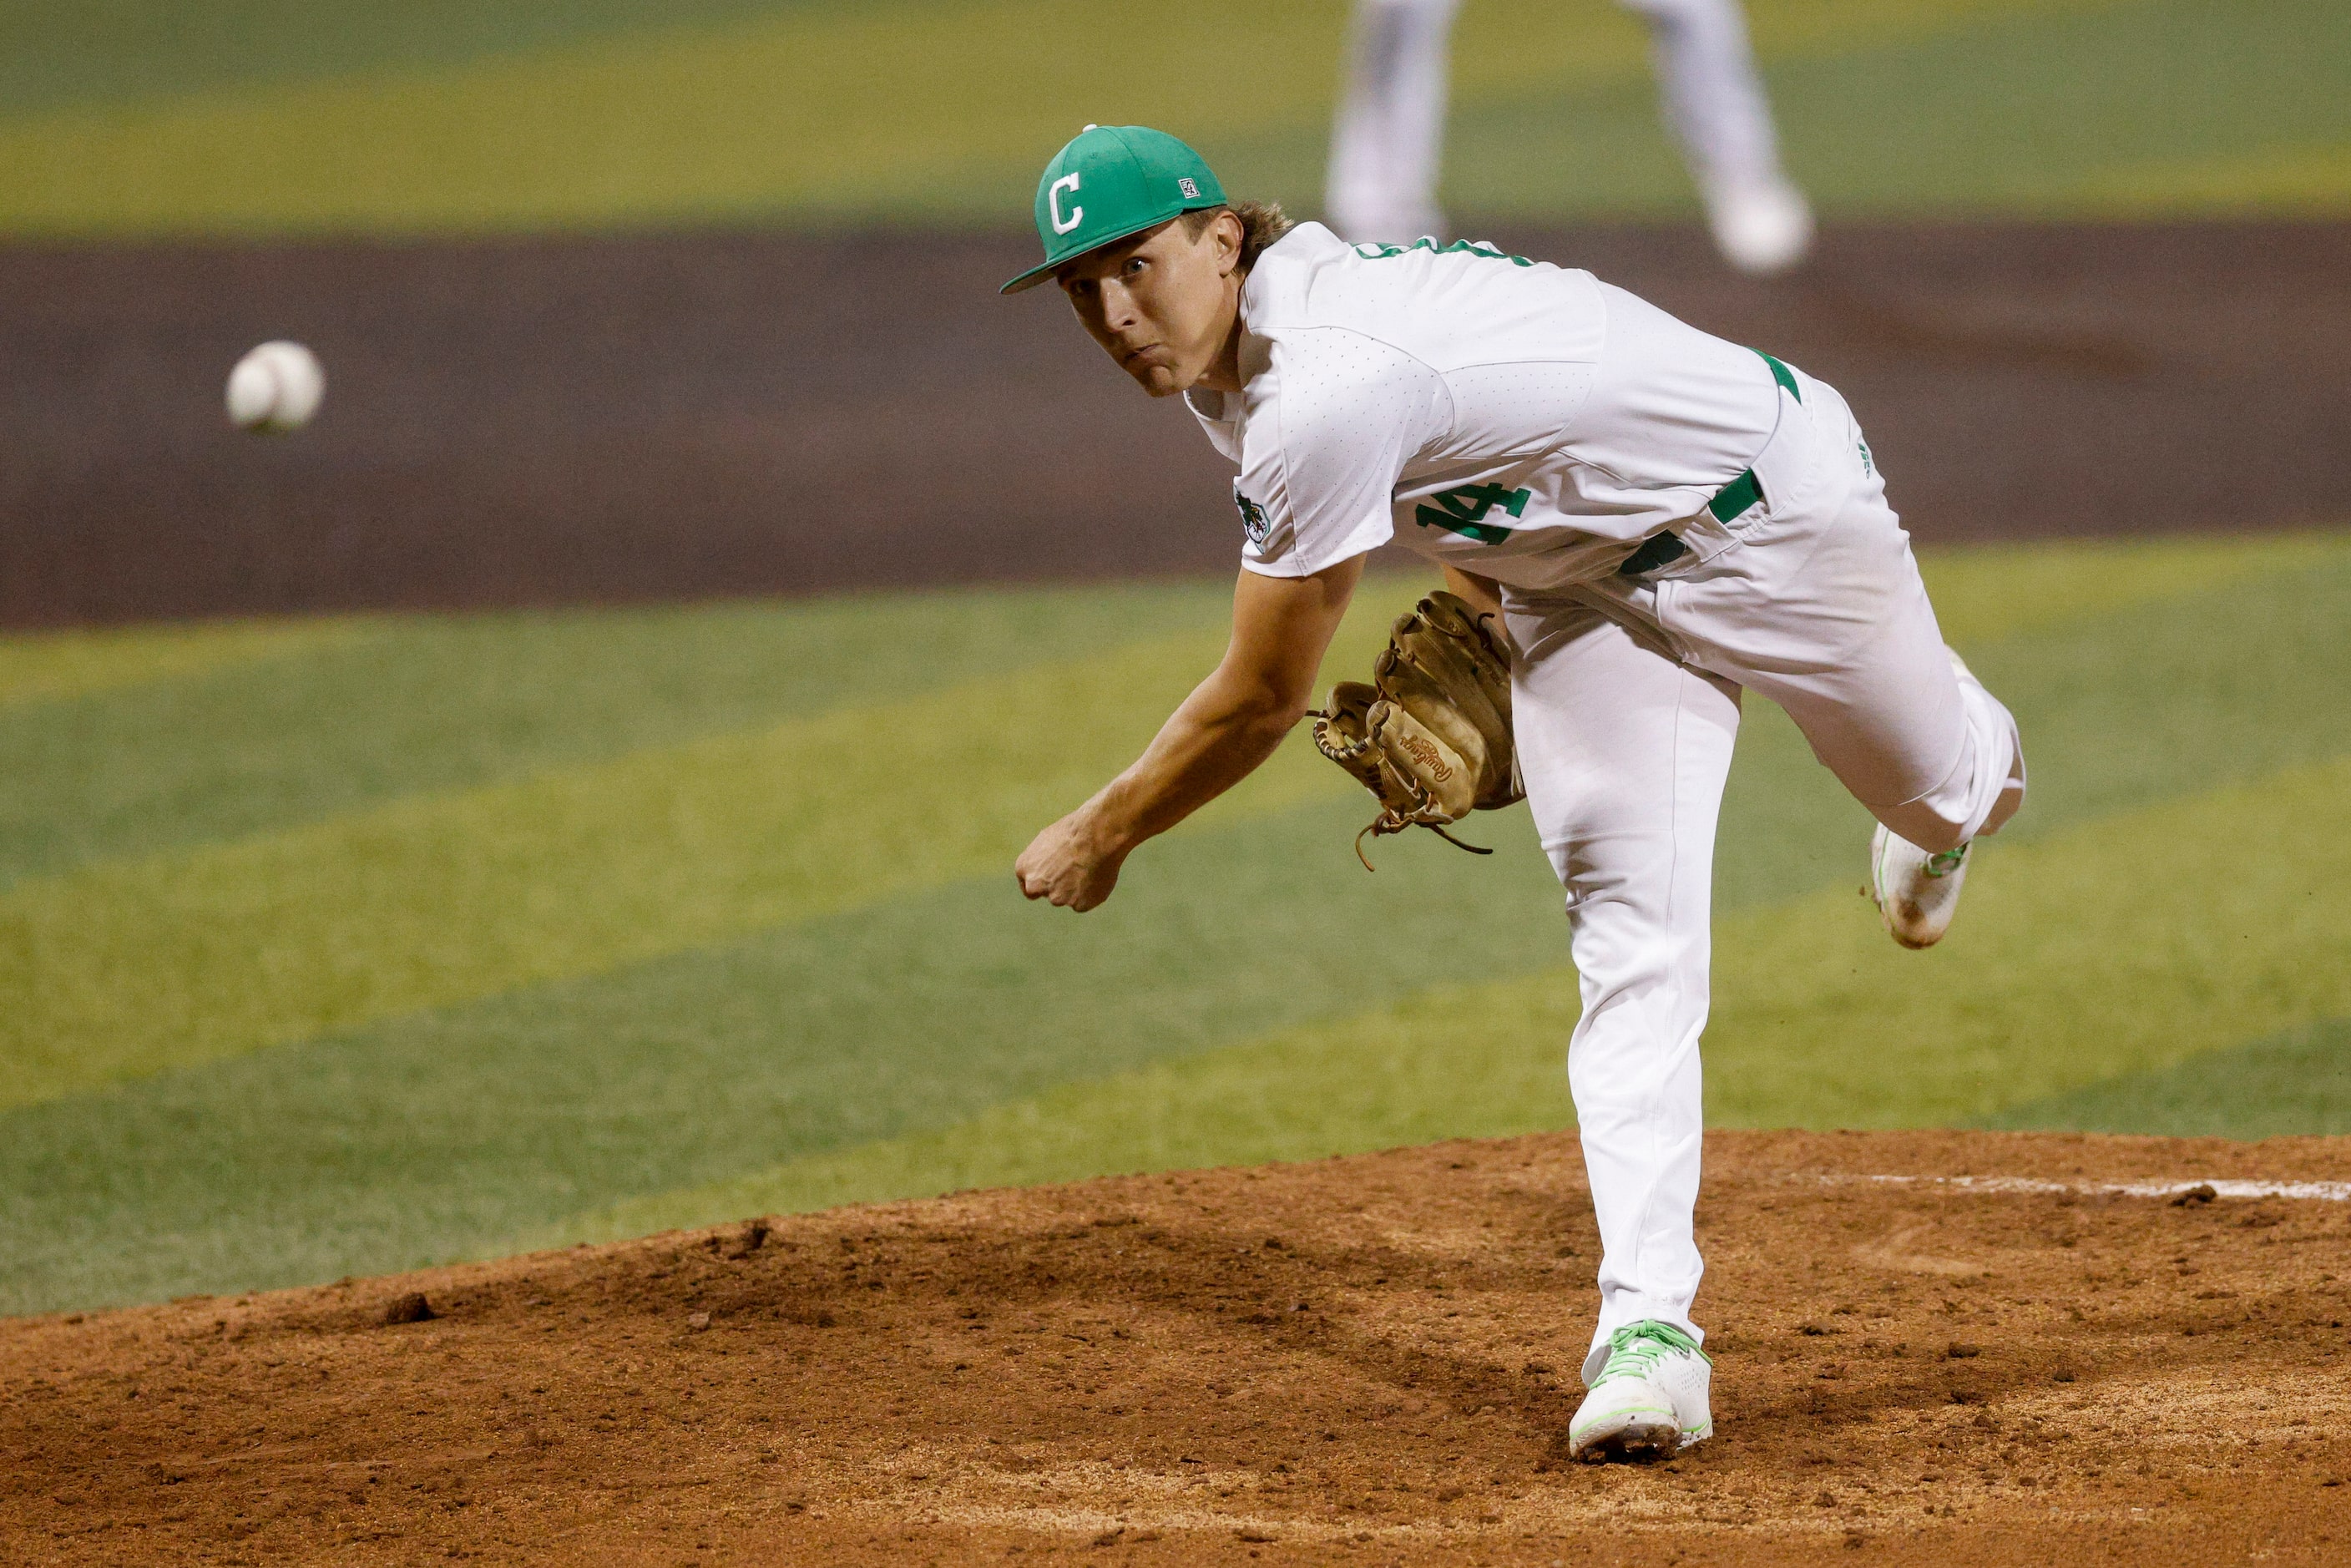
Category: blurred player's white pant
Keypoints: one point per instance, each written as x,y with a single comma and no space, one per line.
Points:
1386,145
1627,697
1391,127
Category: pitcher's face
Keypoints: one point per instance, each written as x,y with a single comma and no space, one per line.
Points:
1161,303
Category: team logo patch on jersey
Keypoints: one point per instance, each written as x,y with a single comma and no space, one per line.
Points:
1254,522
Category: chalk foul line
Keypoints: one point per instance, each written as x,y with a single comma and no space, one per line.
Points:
2318,1191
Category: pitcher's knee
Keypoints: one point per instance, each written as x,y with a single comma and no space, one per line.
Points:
1982,788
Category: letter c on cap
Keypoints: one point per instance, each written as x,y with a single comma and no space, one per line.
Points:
1063,225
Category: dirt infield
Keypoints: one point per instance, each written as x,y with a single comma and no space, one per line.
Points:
626,419
1367,1359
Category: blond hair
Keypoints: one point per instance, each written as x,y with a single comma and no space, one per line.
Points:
1262,222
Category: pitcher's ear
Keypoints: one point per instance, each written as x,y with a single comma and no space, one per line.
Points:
1232,241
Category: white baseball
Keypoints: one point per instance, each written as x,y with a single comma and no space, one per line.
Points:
276,387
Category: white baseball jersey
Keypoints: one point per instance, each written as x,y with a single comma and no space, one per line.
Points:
1523,422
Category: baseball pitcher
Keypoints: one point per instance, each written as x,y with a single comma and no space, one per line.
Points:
1390,123
1637,523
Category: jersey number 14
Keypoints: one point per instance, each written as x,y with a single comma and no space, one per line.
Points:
1463,511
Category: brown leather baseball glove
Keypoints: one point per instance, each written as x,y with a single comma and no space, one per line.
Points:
1430,737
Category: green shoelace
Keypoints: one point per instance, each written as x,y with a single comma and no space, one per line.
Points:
1946,863
1635,1350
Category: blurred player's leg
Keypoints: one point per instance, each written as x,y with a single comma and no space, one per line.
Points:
1624,749
1715,105
1391,127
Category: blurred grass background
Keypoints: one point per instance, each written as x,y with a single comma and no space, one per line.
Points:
349,945
137,117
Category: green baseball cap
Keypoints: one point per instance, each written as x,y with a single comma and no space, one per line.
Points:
1112,181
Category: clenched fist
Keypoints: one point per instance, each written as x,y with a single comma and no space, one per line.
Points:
1067,864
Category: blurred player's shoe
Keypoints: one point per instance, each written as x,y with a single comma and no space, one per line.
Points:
1760,227
1648,1400
1916,892
1373,224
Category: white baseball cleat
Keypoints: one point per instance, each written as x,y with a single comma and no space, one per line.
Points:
1761,228
1916,892
1648,1400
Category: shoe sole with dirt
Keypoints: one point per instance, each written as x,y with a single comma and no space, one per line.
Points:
1637,1441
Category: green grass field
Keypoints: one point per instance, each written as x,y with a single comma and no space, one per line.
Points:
147,117
347,945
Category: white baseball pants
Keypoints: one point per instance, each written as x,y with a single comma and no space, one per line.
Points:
1627,697
1385,144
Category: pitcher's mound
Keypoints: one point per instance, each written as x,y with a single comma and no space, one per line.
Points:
2076,1354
